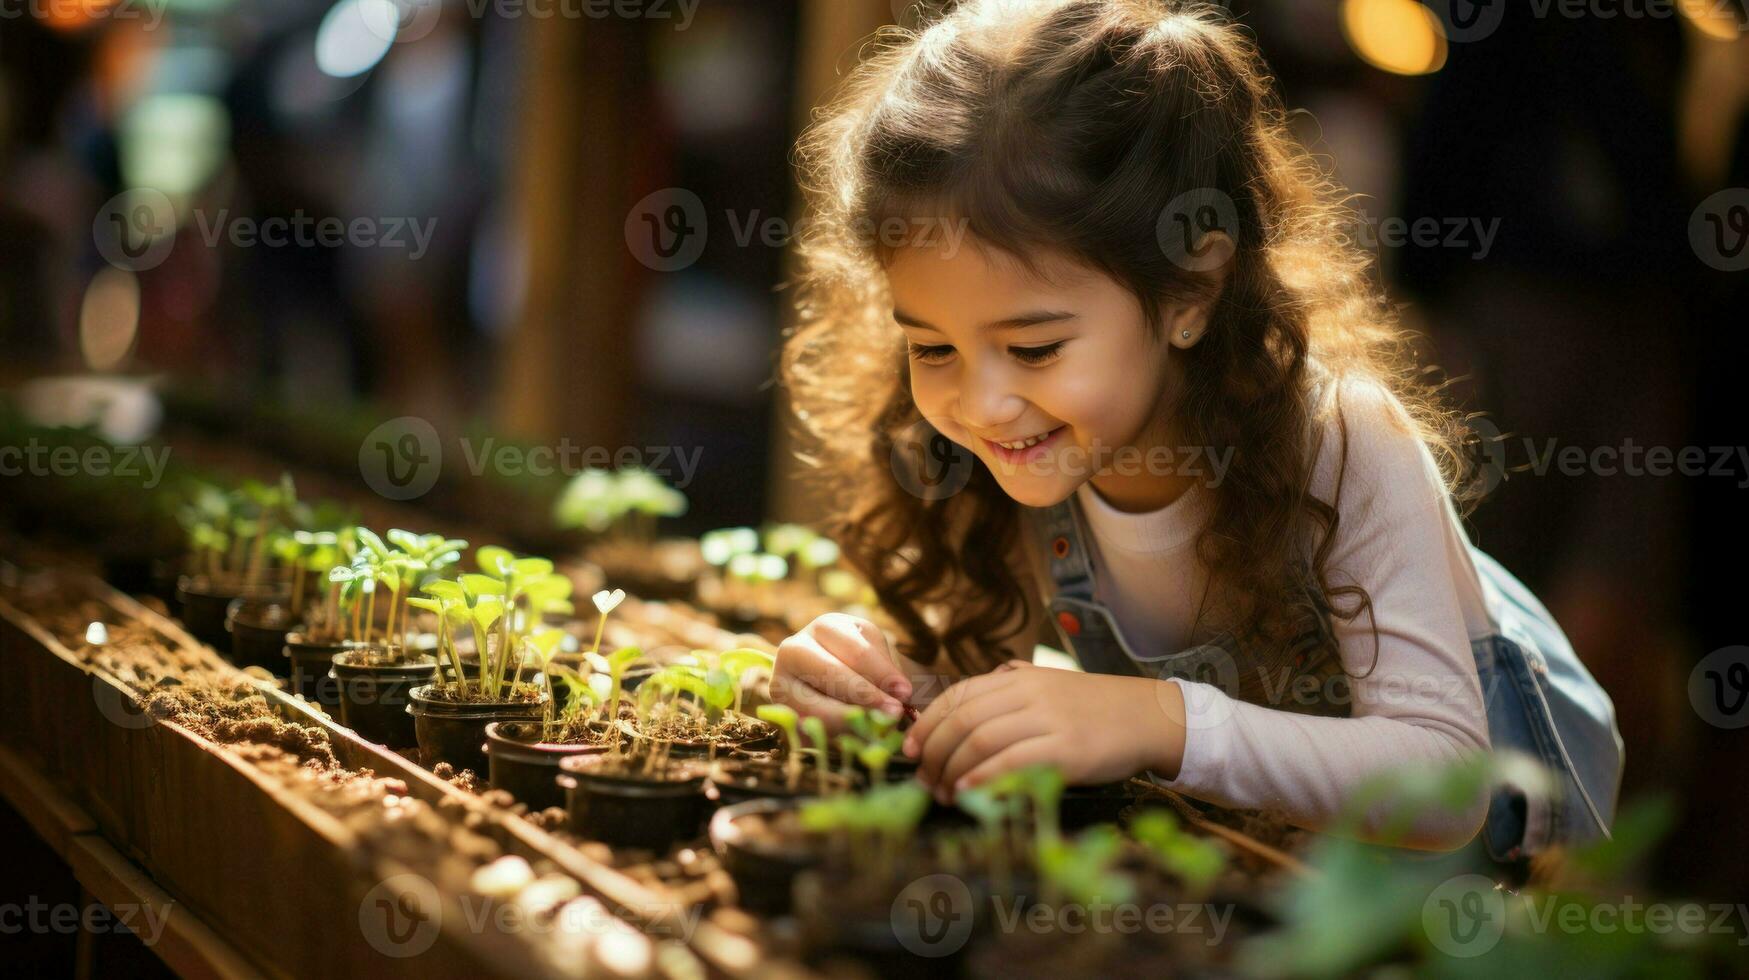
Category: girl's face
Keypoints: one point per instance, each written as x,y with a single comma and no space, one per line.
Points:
1051,380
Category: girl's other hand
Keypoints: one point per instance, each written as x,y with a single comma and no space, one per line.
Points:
1095,728
837,662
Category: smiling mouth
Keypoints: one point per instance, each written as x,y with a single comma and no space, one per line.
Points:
1020,448
1028,441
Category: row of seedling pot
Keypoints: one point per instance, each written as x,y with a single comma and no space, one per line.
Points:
899,884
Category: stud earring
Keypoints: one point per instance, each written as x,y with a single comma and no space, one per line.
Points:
1185,335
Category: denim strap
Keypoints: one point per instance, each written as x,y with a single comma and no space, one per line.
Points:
1085,625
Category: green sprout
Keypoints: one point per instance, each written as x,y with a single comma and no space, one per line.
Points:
628,502
1085,870
742,662
580,699
617,662
784,717
721,546
1194,860
815,729
878,736
875,824
605,602
525,590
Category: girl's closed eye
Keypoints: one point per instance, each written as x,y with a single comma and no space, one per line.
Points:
930,353
1038,355
939,353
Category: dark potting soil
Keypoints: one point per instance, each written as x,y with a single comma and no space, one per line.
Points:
681,727
450,694
232,715
376,656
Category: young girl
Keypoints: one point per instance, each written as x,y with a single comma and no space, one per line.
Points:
1073,239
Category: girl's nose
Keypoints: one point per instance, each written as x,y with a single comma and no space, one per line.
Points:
987,404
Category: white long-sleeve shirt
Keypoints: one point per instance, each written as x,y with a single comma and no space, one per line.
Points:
1421,703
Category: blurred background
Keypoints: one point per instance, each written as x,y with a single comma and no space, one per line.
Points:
264,229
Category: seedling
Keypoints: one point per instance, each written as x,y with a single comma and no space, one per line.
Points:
740,664
1085,870
626,503
876,825
605,602
784,717
815,729
580,701
876,738
1196,861
511,593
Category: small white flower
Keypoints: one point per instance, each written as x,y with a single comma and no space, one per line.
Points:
607,601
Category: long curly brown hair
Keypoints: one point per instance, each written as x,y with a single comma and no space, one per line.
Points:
1073,126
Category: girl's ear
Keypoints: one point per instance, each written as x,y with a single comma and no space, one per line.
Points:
1188,322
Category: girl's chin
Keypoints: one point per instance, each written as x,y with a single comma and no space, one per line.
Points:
1036,491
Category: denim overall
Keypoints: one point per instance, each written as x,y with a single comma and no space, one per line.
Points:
1540,699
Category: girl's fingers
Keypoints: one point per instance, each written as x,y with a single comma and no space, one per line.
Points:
859,645
809,702
953,732
802,658
985,742
949,701
1025,752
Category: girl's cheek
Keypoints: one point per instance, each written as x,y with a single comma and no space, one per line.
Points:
933,401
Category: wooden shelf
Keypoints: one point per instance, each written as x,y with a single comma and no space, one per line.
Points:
187,944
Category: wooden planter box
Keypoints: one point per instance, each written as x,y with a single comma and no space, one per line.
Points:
281,879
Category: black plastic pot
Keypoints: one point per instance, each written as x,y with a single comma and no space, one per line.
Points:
525,767
737,779
204,609
455,731
308,669
763,872
1084,806
633,811
258,629
374,700
911,926
692,750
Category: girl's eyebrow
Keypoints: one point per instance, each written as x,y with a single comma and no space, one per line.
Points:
1030,319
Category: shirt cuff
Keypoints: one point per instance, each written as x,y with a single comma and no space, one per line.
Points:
1209,728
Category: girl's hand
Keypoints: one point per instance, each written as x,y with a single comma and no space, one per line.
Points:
1093,727
836,662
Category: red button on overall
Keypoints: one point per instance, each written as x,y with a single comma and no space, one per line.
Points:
1070,622
1060,547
